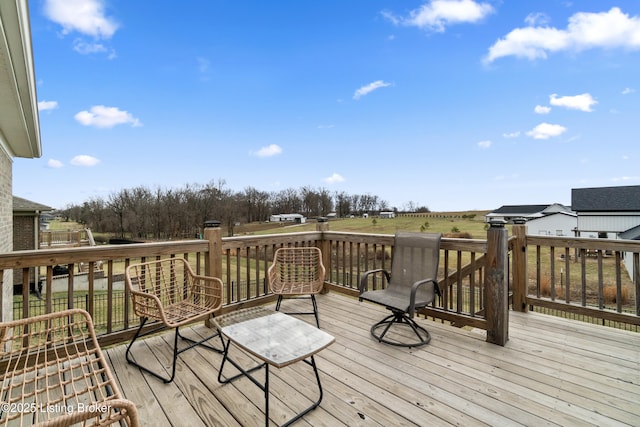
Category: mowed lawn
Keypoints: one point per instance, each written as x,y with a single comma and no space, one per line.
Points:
471,222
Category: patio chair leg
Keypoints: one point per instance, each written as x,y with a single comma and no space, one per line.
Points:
400,318
176,352
265,385
315,310
313,301
279,302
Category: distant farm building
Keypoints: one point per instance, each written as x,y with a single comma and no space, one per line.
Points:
387,214
525,212
295,218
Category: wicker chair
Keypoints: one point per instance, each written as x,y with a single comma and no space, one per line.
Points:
170,294
53,373
297,273
411,285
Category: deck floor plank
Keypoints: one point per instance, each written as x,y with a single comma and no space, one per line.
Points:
551,372
431,377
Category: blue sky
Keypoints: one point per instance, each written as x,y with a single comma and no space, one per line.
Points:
449,104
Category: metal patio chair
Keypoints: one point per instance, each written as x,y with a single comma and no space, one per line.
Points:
297,272
169,293
411,285
53,372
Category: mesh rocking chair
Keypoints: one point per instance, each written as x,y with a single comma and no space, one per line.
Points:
411,285
297,273
53,372
168,293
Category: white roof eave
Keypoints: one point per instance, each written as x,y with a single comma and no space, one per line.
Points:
19,122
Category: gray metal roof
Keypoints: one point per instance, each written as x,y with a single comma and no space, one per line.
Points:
631,234
606,199
520,209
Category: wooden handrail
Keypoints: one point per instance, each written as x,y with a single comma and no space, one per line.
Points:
242,262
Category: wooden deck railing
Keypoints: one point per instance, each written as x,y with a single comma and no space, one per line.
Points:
475,276
588,278
65,238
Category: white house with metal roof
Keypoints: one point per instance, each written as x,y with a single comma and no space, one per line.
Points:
510,213
555,224
606,211
609,212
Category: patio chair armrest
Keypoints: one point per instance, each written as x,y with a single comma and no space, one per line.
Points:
363,280
127,408
146,304
208,287
414,290
272,278
118,410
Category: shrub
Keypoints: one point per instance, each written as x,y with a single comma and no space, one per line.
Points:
545,288
610,295
382,254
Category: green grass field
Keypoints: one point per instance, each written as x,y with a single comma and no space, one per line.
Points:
471,222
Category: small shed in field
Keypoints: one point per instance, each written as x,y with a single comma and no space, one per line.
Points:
295,218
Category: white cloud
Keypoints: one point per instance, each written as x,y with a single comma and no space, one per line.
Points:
627,91
85,48
55,164
204,68
438,14
268,151
542,109
612,29
364,90
578,102
511,134
537,18
334,179
484,144
84,16
203,64
84,160
625,178
106,117
546,131
47,105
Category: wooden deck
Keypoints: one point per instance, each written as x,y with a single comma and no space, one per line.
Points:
551,372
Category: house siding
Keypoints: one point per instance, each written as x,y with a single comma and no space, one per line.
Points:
6,231
593,222
553,225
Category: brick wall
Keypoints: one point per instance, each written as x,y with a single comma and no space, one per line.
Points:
24,232
6,230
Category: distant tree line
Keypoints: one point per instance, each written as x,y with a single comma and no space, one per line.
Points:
145,213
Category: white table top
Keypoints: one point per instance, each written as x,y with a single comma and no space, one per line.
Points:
273,337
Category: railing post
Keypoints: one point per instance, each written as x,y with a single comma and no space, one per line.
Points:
496,284
213,262
520,271
325,247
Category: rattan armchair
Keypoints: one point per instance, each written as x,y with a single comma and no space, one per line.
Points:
169,294
297,272
53,373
